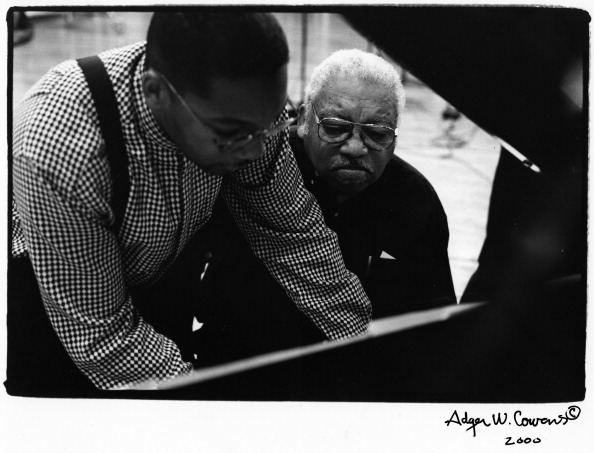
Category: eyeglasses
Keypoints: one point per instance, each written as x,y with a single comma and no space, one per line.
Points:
336,130
238,142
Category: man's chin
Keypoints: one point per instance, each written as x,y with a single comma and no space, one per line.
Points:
349,186
348,178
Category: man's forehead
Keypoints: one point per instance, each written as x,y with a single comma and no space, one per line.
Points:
344,103
350,90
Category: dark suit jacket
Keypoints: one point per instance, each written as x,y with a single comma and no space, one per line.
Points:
393,236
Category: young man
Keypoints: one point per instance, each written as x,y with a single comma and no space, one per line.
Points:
201,107
391,226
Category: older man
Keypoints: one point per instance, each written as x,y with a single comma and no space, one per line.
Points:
390,224
201,109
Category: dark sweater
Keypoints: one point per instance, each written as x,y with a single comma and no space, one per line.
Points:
245,310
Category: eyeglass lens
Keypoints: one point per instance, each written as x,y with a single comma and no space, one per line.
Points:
336,131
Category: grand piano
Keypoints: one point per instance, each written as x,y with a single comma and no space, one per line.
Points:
519,334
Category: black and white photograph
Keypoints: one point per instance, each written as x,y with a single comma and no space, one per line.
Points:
307,227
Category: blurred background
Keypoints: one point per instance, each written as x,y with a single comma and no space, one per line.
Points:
457,157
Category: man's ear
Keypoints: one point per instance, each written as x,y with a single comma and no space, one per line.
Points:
302,126
154,90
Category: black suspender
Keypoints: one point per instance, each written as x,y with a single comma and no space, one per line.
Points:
109,121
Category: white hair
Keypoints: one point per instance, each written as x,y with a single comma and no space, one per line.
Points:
364,66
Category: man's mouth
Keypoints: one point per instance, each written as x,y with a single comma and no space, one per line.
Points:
351,168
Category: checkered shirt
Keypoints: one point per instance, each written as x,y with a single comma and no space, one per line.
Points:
62,193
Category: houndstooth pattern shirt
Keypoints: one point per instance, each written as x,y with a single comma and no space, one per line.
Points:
62,193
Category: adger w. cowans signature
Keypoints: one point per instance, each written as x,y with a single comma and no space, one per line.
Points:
518,418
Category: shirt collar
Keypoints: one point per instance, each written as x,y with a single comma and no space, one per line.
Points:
305,166
146,120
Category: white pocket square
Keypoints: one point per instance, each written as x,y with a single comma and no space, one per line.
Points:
387,256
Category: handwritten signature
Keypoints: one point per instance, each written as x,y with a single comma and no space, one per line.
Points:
501,418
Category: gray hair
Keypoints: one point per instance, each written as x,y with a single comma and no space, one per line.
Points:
364,66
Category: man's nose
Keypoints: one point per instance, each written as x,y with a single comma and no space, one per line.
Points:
354,145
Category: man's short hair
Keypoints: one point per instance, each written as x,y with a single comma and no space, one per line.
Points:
364,66
192,48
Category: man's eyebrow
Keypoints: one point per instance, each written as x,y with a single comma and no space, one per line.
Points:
332,114
377,118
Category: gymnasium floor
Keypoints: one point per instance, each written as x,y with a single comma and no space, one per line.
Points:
456,156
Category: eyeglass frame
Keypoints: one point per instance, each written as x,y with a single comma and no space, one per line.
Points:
319,121
234,143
